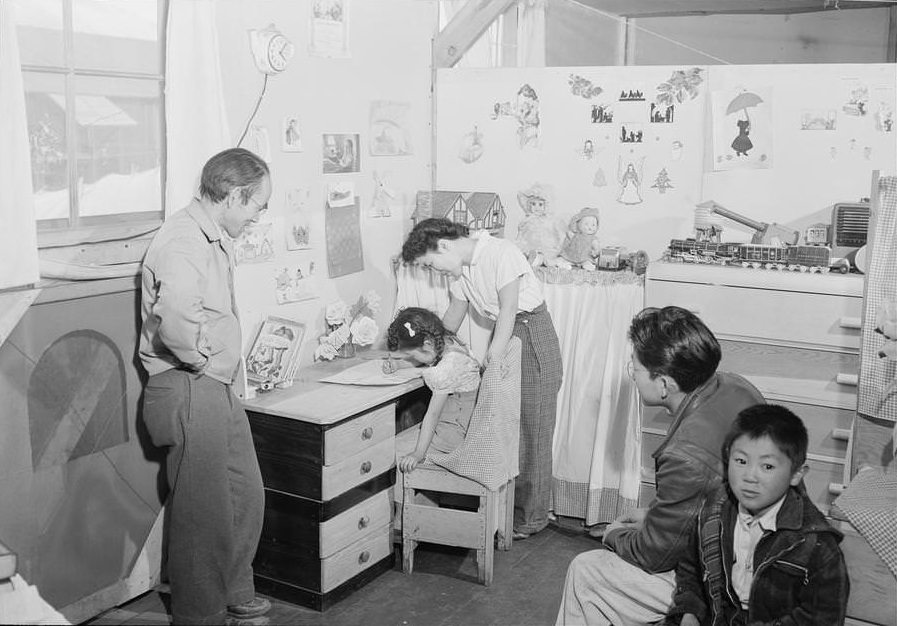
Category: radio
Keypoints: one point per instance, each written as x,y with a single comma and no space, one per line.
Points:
850,227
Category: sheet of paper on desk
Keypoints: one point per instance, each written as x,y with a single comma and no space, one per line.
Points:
371,373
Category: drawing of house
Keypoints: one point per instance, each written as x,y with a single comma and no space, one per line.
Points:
478,210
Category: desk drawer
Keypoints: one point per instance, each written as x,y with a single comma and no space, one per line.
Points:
359,434
355,558
335,479
352,525
765,315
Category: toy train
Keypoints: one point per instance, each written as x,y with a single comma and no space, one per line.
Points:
811,258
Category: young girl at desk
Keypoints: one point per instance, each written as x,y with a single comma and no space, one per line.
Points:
450,371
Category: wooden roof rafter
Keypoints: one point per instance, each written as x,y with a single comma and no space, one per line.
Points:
465,29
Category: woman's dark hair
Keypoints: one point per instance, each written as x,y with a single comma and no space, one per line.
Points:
231,168
425,237
674,342
413,326
783,427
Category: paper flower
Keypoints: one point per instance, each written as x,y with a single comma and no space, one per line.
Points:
348,327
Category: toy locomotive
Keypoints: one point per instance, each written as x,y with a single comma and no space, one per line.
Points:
812,258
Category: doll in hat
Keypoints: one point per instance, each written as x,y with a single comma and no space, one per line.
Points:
581,247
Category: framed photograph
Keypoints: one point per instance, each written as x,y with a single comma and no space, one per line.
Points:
274,354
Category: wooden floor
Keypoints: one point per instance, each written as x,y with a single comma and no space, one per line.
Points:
442,591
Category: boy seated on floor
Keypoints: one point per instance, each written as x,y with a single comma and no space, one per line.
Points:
763,553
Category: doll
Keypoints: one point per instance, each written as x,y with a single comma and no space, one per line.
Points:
539,234
581,247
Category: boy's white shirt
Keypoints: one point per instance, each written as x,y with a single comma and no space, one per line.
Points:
748,531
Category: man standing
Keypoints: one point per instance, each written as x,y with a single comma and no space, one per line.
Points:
674,361
190,345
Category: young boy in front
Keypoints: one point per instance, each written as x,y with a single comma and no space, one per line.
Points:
763,553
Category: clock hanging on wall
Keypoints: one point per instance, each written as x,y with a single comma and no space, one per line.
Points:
270,49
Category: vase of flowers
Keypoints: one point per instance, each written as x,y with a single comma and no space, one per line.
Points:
349,327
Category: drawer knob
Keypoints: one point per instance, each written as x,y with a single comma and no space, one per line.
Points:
365,467
850,322
367,433
841,434
364,557
836,488
847,379
363,522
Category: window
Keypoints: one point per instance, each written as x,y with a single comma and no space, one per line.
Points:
93,74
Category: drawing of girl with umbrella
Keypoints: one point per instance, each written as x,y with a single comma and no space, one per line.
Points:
742,102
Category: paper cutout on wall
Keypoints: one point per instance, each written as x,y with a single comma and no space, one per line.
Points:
471,146
298,228
856,98
255,244
329,29
631,133
389,132
341,193
633,94
662,113
583,87
745,115
819,119
883,108
258,142
292,284
676,150
630,180
385,195
680,87
599,180
662,181
526,111
290,138
602,114
341,153
342,228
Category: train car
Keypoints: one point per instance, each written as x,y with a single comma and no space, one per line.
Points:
760,255
809,258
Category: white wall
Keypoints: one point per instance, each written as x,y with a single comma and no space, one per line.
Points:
390,45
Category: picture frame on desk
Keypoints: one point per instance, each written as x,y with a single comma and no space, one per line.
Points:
274,354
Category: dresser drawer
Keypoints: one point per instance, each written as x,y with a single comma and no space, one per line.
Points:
355,558
828,429
819,478
335,479
359,434
765,315
352,525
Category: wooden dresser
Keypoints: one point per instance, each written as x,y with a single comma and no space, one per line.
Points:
795,336
327,455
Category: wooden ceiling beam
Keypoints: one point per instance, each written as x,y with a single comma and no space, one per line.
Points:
681,8
465,29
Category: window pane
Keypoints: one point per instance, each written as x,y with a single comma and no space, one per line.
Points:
119,145
117,35
39,30
46,133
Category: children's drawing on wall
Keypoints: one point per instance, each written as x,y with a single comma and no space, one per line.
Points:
857,98
341,153
342,231
676,148
681,86
540,233
599,179
292,284
581,246
662,113
341,193
583,87
255,244
329,28
471,146
818,119
526,112
291,140
630,180
257,141
662,181
385,195
587,151
298,229
631,133
602,114
742,129
390,134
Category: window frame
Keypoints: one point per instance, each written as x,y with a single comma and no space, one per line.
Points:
76,229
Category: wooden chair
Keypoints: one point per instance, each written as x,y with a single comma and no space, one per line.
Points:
484,466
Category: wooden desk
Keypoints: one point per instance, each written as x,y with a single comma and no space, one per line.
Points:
327,455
